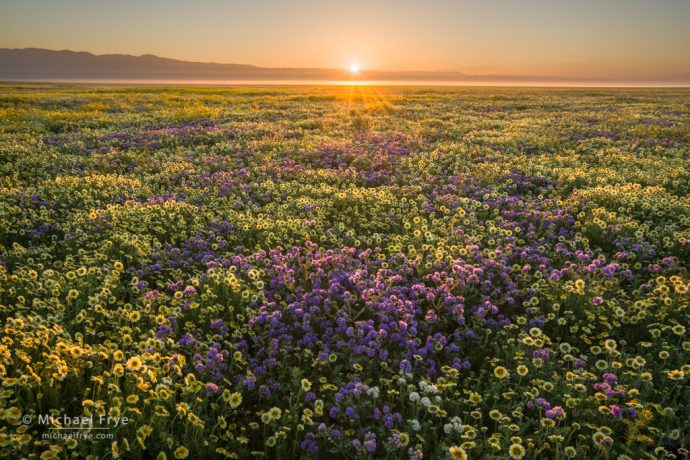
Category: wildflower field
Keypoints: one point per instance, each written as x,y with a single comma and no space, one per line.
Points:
345,272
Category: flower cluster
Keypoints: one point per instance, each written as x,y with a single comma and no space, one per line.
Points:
345,272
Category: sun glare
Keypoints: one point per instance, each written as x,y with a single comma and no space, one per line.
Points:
354,68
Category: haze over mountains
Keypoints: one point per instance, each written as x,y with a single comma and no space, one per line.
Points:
34,64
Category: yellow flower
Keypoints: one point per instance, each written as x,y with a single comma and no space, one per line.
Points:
275,413
145,431
457,453
522,370
516,451
134,363
501,372
182,408
676,374
181,452
235,400
118,370
306,385
48,454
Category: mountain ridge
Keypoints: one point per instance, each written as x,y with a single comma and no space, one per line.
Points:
40,64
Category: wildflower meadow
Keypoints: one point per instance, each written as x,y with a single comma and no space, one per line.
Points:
344,272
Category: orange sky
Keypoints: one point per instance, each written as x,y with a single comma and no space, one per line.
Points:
624,39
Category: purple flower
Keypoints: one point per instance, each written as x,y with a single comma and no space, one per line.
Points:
555,412
610,378
350,412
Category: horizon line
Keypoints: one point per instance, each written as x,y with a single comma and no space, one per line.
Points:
327,83
491,79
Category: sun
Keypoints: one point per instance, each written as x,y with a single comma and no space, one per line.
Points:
354,68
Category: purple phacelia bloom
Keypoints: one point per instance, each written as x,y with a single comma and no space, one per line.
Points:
555,412
610,378
350,412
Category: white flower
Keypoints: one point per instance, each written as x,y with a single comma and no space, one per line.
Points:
455,425
416,426
426,402
374,392
414,396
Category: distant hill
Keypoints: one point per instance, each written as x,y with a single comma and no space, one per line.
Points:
35,64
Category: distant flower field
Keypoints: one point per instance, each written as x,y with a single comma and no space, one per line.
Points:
344,272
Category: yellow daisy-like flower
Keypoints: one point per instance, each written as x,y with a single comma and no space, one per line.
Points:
134,363
457,453
516,451
235,400
522,370
118,370
275,413
181,452
306,384
47,455
182,408
501,372
676,374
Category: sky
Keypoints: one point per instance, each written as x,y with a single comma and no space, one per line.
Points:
620,39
